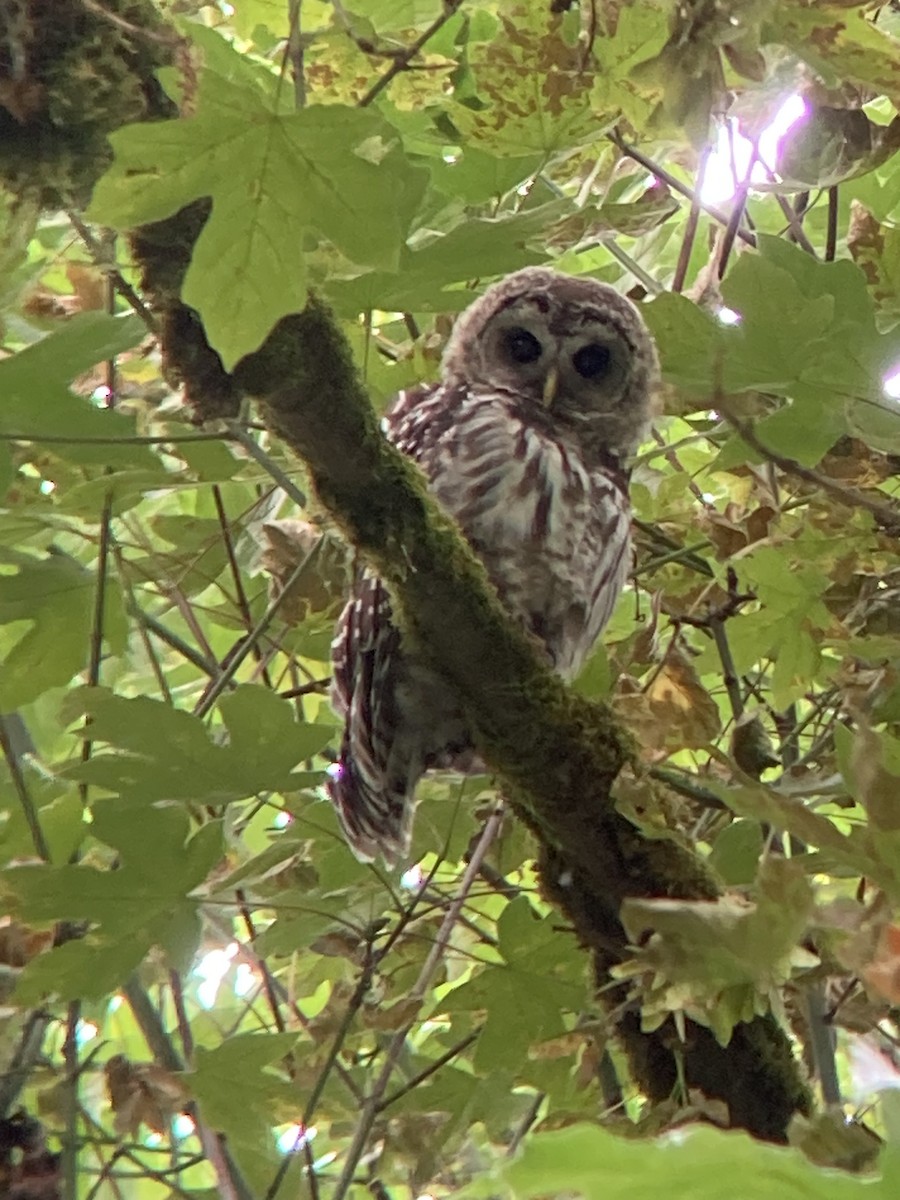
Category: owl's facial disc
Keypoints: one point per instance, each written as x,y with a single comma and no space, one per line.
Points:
524,349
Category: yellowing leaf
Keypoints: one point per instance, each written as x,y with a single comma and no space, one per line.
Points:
682,705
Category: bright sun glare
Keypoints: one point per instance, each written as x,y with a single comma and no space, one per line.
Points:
728,163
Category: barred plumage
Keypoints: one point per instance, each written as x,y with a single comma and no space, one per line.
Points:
545,392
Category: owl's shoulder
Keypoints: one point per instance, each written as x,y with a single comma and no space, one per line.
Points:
428,416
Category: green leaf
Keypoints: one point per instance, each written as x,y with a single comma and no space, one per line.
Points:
736,852
595,1164
639,38
163,753
689,340
92,968
274,178
526,994
37,400
241,1096
478,246
838,41
712,945
531,88
55,596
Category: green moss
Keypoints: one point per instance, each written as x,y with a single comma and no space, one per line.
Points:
75,77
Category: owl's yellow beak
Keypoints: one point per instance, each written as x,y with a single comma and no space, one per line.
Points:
550,385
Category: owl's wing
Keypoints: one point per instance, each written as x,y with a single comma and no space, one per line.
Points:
381,757
365,656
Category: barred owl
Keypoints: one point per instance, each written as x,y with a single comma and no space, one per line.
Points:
545,391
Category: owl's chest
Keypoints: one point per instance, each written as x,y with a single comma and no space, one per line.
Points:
552,532
514,488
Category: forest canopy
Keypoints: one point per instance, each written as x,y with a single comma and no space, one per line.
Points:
655,943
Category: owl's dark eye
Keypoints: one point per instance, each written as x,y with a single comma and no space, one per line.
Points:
591,361
523,346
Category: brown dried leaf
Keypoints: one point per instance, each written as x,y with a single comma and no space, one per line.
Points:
19,944
882,973
877,788
88,285
142,1093
830,1140
45,304
321,585
682,705
392,1016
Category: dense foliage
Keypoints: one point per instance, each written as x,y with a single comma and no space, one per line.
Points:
205,994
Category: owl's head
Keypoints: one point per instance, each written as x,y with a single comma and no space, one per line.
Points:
572,349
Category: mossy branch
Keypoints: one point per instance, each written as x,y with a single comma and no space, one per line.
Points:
556,753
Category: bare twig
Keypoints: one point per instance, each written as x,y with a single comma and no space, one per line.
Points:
832,229
402,61
162,439
372,1104
675,184
70,1100
102,259
240,595
294,52
23,1061
247,644
793,219
887,516
690,228
17,776
431,1069
738,208
237,431
167,38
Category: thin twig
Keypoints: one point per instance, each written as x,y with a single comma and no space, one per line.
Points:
796,229
136,31
832,229
685,786
675,184
101,259
738,208
209,666
132,607
21,789
729,673
268,981
161,439
240,595
887,516
228,1178
294,52
284,481
245,648
431,1069
691,225
402,61
23,1060
70,1100
181,1016
97,622
372,1103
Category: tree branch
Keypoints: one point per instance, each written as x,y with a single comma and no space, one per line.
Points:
558,755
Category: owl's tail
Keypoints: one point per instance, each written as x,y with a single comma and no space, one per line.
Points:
376,816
